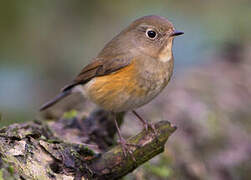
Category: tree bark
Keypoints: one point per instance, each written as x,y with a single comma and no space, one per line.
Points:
74,148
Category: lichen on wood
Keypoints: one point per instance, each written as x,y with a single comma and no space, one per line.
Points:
74,148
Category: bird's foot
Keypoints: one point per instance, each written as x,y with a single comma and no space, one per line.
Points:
126,148
146,124
150,126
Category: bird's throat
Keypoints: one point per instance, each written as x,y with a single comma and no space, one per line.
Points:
165,53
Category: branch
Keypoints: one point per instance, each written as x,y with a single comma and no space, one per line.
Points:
113,165
73,148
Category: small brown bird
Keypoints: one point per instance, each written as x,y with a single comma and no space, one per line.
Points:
130,71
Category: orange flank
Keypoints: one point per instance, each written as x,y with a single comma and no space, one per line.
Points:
107,91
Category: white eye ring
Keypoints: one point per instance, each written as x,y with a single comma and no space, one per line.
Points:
150,33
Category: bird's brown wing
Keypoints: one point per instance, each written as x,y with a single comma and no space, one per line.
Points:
98,67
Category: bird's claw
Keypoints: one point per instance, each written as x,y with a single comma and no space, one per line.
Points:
126,149
150,126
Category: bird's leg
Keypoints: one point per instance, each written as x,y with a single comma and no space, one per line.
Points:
124,145
146,124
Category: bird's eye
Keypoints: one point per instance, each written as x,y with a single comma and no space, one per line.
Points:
151,34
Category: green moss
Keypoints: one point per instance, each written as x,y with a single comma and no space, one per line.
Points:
74,153
1,175
53,141
11,170
70,114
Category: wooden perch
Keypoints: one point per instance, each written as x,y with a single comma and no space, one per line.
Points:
37,150
113,165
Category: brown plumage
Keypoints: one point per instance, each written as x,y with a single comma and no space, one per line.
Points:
132,69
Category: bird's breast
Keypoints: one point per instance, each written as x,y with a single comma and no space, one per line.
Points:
127,88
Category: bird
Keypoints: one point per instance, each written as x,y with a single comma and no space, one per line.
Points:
130,71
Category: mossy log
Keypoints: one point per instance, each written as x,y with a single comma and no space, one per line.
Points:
74,149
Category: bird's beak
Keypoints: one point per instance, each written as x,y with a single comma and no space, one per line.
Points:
176,33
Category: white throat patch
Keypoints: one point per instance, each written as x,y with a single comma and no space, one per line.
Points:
165,58
166,53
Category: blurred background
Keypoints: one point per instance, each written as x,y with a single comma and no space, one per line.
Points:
44,44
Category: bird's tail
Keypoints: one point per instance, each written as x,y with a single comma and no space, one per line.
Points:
55,100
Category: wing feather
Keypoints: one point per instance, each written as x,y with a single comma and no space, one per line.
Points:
99,67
